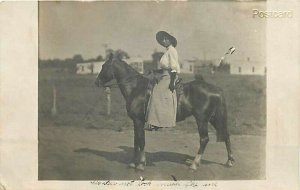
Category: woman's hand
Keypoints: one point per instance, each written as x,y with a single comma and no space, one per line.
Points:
172,87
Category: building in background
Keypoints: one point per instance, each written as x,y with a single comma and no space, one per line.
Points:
89,67
137,63
186,66
242,67
200,66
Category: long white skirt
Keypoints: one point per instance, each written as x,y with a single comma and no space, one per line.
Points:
162,105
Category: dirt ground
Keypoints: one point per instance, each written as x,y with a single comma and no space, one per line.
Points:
72,153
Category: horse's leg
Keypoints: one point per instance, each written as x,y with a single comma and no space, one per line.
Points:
203,132
139,125
219,121
136,149
230,160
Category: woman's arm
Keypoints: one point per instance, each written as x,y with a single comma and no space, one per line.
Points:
173,60
174,67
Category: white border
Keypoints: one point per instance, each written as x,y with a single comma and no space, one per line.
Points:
18,111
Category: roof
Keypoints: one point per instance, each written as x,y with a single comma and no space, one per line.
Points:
245,62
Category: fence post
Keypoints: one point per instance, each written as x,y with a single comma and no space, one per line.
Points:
108,98
53,110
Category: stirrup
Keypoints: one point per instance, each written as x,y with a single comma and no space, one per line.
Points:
148,127
151,128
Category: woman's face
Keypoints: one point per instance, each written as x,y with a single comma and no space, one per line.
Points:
166,42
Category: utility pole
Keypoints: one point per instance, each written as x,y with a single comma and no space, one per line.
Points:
105,46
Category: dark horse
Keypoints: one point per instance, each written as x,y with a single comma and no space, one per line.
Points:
200,99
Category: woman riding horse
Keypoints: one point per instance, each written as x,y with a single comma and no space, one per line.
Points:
163,103
200,99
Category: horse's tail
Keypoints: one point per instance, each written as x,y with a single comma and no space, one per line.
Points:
219,121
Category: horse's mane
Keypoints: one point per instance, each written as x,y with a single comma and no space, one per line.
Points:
130,67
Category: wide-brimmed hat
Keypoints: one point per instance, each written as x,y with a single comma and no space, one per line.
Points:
160,36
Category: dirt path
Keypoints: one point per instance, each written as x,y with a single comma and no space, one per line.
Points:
69,153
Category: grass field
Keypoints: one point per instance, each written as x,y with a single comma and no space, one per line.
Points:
81,104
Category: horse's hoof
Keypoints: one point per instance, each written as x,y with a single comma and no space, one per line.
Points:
193,167
131,165
143,162
229,163
140,167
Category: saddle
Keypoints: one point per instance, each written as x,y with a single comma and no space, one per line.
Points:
154,75
178,87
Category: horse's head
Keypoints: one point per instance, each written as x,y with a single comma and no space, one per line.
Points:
106,74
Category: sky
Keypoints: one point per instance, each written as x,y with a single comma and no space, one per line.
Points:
203,29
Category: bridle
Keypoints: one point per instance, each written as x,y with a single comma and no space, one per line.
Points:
110,86
105,86
115,84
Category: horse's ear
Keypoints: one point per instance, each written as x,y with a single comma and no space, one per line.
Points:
110,56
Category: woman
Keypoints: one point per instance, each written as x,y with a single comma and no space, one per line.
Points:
163,101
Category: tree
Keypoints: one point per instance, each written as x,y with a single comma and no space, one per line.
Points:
108,52
224,67
121,54
90,60
77,58
99,58
57,62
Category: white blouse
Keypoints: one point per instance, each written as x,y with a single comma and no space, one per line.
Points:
170,60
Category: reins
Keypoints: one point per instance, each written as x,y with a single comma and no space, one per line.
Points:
120,83
91,110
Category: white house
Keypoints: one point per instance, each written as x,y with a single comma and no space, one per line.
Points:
89,67
186,66
136,63
247,68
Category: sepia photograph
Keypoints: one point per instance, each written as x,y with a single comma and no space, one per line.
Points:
152,90
159,95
